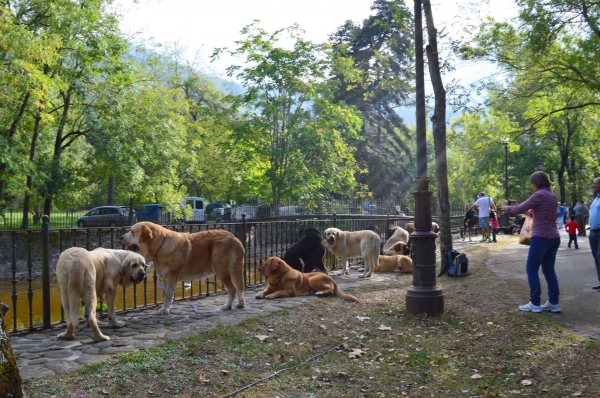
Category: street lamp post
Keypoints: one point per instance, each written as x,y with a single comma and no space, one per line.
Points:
423,297
505,143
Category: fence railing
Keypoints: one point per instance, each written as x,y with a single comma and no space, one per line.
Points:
255,211
27,257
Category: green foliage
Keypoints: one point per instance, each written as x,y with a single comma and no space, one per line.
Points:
373,70
291,130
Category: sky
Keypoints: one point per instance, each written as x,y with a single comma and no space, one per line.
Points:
200,26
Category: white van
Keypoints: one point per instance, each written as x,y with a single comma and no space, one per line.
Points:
198,209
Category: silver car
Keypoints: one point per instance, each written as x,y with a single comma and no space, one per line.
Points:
106,216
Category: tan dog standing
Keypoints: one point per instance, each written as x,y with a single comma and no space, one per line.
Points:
346,245
86,275
284,281
186,257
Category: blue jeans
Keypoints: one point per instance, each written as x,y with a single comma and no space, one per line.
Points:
542,251
595,246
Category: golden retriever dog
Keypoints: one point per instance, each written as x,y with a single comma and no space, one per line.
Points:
399,248
186,257
86,275
284,281
393,263
399,235
346,245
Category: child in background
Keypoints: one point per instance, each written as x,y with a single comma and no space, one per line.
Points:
572,227
494,224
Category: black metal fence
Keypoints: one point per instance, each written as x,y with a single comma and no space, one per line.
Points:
28,256
255,211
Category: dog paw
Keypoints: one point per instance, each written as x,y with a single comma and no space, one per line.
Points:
270,296
162,311
118,324
226,307
259,296
101,338
64,336
241,304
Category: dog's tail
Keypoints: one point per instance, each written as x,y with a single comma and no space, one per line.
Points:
345,296
71,283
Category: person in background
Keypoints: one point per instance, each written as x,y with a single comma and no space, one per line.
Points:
485,204
561,216
571,229
571,211
595,228
494,224
581,215
545,241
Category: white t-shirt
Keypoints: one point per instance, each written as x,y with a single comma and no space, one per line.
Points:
484,204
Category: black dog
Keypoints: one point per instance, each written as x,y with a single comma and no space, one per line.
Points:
470,220
307,253
508,230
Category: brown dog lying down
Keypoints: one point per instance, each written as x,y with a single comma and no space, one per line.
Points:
410,227
393,263
398,248
284,281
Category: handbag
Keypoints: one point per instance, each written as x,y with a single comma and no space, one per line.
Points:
525,234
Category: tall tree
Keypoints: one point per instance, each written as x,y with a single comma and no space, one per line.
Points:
439,136
293,131
374,72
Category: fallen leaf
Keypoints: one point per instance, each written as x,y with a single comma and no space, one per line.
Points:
270,330
106,391
224,372
356,353
363,318
526,382
323,327
261,337
476,376
384,328
577,394
202,378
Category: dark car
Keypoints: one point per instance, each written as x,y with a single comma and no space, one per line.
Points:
213,206
106,216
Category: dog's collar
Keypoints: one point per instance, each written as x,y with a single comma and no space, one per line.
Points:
161,243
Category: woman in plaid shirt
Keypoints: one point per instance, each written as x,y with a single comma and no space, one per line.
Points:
545,241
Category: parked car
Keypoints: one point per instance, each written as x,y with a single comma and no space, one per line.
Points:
198,209
106,216
212,206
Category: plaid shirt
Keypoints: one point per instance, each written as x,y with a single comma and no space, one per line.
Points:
543,208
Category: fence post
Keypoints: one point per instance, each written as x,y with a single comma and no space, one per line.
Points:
46,269
334,221
244,225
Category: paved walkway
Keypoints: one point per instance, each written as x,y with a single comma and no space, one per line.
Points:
42,355
576,275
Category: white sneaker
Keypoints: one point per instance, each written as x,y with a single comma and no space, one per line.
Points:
530,307
551,307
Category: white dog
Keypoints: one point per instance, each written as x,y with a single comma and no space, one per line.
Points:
346,245
399,235
86,275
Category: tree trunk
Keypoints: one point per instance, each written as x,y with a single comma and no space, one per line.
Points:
10,380
110,200
27,200
439,138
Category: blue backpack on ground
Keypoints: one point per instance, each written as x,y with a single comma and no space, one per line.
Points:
458,264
